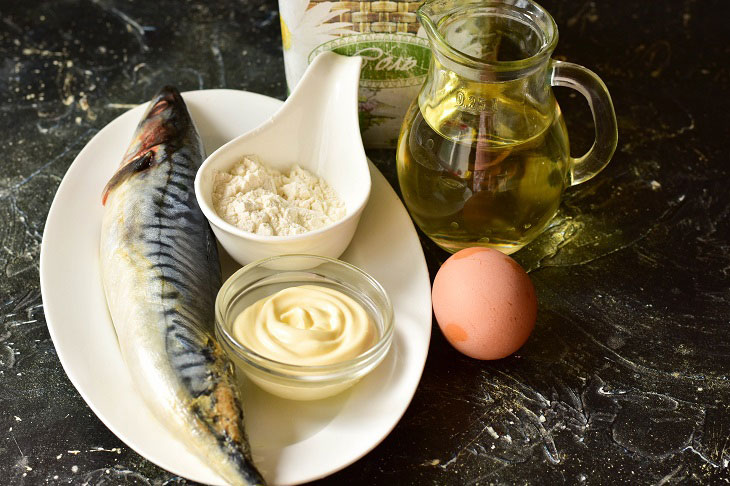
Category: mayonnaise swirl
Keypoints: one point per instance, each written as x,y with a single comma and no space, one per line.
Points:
306,325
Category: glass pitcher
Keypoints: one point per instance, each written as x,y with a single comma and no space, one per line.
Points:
483,155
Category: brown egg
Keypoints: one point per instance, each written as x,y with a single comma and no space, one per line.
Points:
484,303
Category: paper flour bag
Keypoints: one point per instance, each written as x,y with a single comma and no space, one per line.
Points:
383,33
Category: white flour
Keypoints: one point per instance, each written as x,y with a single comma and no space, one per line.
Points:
264,201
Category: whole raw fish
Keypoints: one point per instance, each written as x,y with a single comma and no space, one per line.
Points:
161,274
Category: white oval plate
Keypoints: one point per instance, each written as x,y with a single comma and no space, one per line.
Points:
292,442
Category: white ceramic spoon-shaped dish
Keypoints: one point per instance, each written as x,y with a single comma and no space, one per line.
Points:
317,128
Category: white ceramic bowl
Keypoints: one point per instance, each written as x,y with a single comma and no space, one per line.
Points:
317,128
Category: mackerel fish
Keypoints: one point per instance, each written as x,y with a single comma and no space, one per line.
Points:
161,274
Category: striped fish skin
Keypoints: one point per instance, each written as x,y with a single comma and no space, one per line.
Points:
161,274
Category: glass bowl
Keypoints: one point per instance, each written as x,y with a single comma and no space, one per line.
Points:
270,275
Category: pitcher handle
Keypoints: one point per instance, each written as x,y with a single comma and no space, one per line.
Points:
589,85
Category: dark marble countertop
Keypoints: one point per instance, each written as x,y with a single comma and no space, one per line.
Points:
627,375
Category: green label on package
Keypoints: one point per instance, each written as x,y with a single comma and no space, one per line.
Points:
389,60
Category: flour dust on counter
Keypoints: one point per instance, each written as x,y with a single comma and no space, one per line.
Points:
625,377
70,69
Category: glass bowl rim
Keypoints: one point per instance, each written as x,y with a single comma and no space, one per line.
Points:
307,373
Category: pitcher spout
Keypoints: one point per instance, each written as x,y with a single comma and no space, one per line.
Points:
498,40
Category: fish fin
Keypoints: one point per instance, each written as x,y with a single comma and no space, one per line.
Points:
138,164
